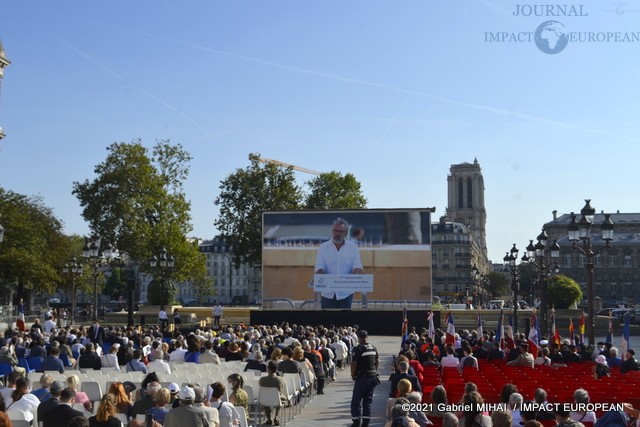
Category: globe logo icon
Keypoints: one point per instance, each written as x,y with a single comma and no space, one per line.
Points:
551,37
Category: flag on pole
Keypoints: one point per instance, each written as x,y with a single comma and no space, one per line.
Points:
582,328
554,331
451,330
508,339
625,345
534,338
571,331
405,327
610,333
479,326
432,329
500,331
20,320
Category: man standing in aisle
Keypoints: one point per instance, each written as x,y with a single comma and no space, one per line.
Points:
364,371
338,256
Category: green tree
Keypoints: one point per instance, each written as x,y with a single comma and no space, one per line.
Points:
137,203
497,284
244,195
34,246
563,291
335,191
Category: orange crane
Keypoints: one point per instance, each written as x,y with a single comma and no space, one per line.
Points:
288,165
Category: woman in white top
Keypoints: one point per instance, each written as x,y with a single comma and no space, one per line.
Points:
110,360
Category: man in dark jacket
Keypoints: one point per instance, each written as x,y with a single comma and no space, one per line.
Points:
60,415
630,363
89,359
55,389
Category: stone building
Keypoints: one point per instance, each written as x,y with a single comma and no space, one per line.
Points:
616,269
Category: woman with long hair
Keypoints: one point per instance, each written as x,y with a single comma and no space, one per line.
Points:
73,381
474,416
105,417
238,397
22,400
193,351
121,399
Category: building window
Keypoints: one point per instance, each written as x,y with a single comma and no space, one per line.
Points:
597,261
567,260
627,260
460,194
627,287
581,261
469,193
613,260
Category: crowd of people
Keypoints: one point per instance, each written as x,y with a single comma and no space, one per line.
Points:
464,351
272,350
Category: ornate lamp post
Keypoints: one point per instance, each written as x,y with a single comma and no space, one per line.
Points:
510,263
536,255
580,231
91,252
481,281
73,270
164,262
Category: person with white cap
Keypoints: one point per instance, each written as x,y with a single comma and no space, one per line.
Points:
601,368
186,414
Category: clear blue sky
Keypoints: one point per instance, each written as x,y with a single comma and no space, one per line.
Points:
393,92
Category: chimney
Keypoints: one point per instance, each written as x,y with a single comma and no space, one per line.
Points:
555,214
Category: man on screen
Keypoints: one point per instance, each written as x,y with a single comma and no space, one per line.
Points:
338,256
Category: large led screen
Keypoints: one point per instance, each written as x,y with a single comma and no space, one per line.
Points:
394,246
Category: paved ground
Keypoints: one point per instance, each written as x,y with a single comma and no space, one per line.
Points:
333,408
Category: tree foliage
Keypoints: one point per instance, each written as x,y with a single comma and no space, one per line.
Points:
333,190
246,193
497,284
34,246
137,203
563,291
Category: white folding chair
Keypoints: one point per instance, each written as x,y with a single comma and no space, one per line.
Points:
270,396
242,416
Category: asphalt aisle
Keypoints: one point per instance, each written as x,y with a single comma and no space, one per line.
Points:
334,407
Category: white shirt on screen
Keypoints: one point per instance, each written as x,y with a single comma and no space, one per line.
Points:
334,261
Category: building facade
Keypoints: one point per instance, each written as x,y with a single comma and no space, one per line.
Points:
616,269
454,250
230,285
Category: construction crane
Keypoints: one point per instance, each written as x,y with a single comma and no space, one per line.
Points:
288,165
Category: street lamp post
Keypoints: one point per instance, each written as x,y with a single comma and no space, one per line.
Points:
164,262
73,270
536,256
478,278
91,252
510,262
580,231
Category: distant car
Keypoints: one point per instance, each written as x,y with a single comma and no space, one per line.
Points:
496,304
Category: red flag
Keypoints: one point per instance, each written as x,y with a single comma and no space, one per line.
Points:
571,330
